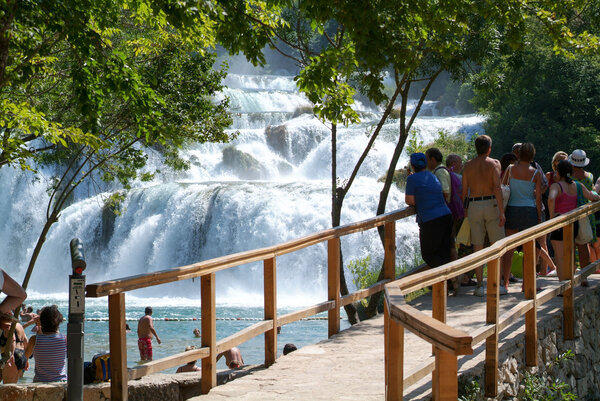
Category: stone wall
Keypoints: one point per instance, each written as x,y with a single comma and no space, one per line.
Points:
157,387
581,372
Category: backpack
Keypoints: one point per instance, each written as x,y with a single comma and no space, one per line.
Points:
98,370
455,205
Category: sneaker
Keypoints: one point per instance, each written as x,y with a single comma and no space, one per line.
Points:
551,273
479,291
503,290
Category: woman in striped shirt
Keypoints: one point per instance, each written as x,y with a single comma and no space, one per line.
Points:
49,348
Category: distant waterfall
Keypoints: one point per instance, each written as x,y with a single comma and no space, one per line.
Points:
271,184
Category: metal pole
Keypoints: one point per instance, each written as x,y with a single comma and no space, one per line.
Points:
75,323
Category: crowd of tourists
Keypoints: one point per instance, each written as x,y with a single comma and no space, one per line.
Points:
488,199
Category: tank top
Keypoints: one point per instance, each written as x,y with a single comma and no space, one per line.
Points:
50,353
522,192
564,202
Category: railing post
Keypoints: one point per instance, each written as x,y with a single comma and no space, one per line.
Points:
389,240
333,286
270,289
439,301
209,331
447,387
491,343
529,286
393,357
568,296
118,347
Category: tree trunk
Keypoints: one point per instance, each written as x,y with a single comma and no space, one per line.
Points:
337,200
404,128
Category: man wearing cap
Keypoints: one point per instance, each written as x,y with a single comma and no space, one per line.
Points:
482,194
424,191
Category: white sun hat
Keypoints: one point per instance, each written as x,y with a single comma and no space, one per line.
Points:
578,158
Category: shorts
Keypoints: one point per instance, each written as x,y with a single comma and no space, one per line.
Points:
520,217
456,223
20,360
145,347
557,235
484,217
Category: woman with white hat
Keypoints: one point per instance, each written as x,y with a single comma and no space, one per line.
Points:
579,160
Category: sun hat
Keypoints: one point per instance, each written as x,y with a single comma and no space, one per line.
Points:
578,158
418,160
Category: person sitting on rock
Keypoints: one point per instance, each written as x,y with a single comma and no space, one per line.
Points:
49,348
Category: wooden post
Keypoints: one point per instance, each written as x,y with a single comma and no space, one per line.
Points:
270,289
491,343
529,286
118,347
333,284
439,300
209,332
447,387
394,357
569,268
389,239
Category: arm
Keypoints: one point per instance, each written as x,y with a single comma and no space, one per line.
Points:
151,327
552,199
538,196
498,195
589,195
30,347
410,200
15,294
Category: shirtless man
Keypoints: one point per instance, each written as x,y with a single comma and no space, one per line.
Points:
481,185
145,332
233,358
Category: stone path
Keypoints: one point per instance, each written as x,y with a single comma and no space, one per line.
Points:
350,365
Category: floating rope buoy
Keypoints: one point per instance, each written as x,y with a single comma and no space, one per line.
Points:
190,319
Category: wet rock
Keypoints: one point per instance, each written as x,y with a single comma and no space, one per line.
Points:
243,165
278,139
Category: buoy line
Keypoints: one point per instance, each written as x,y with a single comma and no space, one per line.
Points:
191,319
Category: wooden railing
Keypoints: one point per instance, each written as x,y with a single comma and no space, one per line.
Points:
211,347
449,343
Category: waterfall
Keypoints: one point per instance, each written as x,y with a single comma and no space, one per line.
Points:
269,185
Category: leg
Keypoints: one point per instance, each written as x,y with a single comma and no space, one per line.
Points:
584,255
558,254
543,254
479,269
507,260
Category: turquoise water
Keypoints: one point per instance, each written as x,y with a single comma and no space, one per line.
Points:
176,335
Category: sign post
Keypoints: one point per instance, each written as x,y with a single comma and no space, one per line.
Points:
75,323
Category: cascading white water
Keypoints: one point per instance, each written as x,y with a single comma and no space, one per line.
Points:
216,209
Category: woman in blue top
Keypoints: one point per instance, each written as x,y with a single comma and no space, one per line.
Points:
424,191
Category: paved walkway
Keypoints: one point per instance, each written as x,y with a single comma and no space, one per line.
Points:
350,365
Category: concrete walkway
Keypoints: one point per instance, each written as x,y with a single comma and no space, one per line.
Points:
350,365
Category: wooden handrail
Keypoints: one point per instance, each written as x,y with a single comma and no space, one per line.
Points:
449,343
463,265
115,290
431,330
224,262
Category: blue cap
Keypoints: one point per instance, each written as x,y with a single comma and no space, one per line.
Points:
418,160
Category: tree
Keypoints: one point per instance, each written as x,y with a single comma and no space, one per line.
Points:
551,100
412,41
89,86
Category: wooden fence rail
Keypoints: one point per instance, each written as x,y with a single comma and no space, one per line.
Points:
449,343
211,347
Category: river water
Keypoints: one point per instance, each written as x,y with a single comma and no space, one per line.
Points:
215,209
